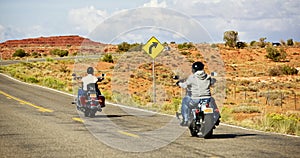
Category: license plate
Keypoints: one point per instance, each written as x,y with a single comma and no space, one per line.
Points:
93,95
208,110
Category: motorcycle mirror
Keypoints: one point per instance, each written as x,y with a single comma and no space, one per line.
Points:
176,77
103,75
73,74
214,74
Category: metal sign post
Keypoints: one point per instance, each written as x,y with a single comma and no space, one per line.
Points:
153,47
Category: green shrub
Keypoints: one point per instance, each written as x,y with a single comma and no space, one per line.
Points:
31,79
287,70
185,53
283,70
60,53
185,45
20,53
53,83
283,123
108,58
275,55
246,109
290,42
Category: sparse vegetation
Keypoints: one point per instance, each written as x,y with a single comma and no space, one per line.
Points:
60,53
185,45
282,123
256,86
20,53
283,70
230,38
107,58
275,55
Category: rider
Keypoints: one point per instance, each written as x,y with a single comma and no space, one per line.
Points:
90,78
198,88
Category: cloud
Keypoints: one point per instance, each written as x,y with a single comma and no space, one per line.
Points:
154,3
2,33
9,33
87,18
274,18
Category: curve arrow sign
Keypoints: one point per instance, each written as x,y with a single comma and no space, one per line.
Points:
154,44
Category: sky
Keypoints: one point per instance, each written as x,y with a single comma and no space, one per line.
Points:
114,21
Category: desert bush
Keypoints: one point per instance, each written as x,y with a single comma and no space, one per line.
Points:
283,70
60,53
64,69
283,123
275,55
287,70
185,45
35,54
20,53
253,43
185,53
275,71
31,79
49,60
290,42
230,38
53,83
107,58
246,109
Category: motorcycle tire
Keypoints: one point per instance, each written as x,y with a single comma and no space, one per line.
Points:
207,129
209,134
192,128
92,113
86,113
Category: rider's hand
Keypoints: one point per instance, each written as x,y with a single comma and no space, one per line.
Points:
177,83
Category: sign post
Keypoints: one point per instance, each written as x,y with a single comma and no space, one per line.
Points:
153,47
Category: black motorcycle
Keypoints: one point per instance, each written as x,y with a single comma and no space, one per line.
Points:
90,101
204,117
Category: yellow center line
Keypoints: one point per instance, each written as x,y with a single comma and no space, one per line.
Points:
129,134
27,103
78,119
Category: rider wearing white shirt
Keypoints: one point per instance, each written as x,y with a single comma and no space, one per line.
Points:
90,78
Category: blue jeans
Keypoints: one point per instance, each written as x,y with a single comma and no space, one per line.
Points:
187,104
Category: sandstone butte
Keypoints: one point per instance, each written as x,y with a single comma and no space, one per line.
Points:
43,45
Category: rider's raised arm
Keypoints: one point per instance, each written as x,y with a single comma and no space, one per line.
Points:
212,81
185,83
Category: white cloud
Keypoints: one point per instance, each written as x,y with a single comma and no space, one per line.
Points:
279,19
87,18
154,3
2,33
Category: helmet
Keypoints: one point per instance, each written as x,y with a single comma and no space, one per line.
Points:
197,66
90,70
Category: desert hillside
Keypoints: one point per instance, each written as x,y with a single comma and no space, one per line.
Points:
43,45
259,92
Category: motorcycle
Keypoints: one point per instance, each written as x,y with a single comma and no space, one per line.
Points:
204,117
90,101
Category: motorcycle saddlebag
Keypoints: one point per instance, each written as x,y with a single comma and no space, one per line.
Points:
101,99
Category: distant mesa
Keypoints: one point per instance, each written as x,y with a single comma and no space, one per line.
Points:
43,45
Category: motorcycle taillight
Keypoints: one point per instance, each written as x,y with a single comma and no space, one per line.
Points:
197,111
207,105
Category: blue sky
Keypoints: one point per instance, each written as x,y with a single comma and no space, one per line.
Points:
274,19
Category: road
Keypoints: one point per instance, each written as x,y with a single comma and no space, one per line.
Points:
38,122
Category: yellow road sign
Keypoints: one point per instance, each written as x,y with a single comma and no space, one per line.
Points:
153,47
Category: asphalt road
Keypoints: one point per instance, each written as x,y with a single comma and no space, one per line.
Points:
37,122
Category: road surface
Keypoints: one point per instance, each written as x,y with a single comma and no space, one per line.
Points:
38,122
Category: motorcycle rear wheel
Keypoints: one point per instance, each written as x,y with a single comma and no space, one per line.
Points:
192,128
93,113
86,112
208,128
